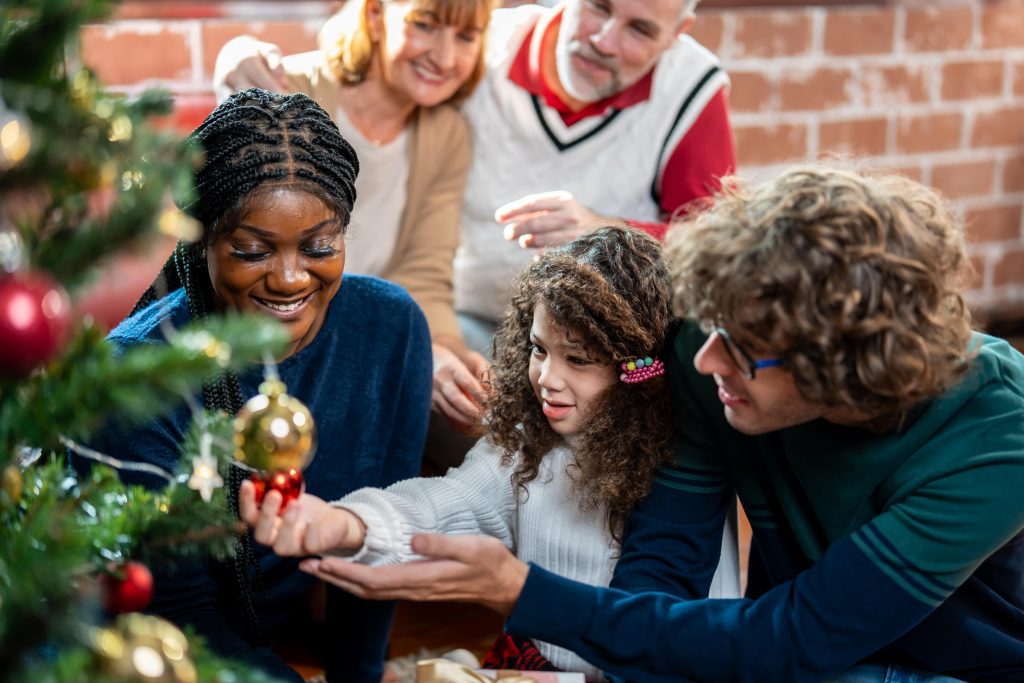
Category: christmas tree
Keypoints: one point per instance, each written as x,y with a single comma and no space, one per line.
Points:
82,175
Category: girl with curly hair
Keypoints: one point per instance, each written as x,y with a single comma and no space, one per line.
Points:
579,418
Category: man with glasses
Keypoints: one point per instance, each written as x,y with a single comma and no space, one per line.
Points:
831,379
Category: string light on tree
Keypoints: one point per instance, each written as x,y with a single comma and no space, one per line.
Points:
15,140
275,436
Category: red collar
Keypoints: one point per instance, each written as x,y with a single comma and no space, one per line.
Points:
526,72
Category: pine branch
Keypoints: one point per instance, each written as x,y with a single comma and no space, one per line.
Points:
91,381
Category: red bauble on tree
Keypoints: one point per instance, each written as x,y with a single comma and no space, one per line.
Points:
128,589
35,315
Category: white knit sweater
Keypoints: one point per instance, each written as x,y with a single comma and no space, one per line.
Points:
547,527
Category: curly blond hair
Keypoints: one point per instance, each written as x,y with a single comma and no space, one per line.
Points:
346,42
610,289
855,280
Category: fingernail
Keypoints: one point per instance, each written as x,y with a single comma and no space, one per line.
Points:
509,232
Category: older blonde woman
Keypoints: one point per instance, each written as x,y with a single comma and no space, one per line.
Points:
388,72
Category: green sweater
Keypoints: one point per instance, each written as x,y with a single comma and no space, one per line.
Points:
903,547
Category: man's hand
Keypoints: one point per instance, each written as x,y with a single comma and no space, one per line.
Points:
244,63
309,526
463,568
548,219
457,390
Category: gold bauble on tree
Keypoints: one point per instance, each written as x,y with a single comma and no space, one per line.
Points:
275,435
274,431
141,647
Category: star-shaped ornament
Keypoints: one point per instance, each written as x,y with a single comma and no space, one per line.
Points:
205,477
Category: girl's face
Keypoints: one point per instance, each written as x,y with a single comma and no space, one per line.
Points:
284,258
422,58
565,378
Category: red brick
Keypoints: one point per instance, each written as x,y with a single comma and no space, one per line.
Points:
1009,268
819,89
859,32
928,132
1002,23
966,179
1017,78
970,80
999,127
994,224
1013,174
856,136
750,91
290,36
895,85
123,55
770,144
708,29
935,29
772,34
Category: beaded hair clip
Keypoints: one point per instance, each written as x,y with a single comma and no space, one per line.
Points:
641,370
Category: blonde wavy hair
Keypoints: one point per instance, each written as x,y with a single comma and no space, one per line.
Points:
346,43
856,281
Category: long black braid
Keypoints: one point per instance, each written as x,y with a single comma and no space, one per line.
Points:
253,140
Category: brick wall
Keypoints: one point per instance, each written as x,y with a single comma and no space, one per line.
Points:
933,89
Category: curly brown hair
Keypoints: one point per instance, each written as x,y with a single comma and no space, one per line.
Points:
610,290
855,280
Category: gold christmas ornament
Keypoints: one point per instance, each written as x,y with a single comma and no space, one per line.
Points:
12,483
144,647
274,431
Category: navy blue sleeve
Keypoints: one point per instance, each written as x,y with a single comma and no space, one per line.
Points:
802,630
359,628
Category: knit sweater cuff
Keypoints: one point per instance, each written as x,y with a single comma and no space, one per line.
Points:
387,540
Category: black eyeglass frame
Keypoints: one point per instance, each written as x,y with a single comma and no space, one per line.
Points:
743,361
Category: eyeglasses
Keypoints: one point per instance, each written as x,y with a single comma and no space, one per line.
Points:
743,360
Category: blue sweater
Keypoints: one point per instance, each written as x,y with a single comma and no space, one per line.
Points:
905,547
366,378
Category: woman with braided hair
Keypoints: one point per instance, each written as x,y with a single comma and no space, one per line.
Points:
274,195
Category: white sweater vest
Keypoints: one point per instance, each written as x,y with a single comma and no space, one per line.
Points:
610,163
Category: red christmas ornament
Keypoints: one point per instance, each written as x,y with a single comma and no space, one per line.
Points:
286,482
128,589
35,316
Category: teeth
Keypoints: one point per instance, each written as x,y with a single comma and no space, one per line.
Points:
284,308
429,75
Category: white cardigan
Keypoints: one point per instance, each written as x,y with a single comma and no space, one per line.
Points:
547,527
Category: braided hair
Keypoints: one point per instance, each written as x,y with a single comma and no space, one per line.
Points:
254,141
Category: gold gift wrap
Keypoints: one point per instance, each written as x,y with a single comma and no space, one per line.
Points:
447,671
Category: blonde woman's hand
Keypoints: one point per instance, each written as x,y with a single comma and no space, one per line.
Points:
457,392
245,62
308,525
